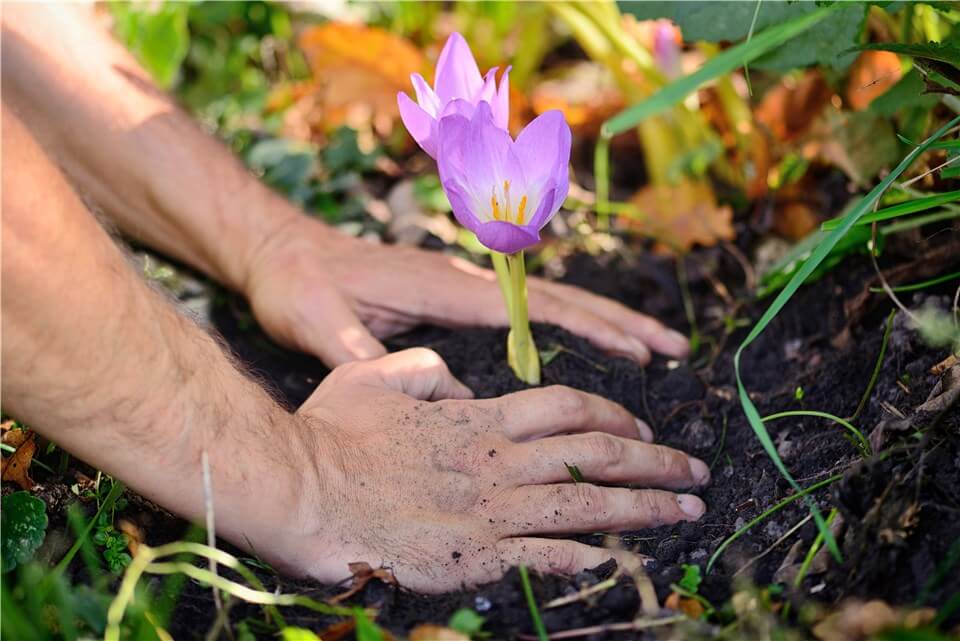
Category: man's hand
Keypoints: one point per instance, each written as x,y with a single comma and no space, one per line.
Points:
335,296
447,491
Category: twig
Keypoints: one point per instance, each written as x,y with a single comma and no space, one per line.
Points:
583,594
211,527
628,626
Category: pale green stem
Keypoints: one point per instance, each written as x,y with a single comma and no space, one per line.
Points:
502,269
522,353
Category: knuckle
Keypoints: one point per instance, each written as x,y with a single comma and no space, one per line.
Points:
672,464
564,559
653,507
606,449
569,402
591,501
427,357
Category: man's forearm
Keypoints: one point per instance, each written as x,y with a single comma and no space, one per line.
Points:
138,157
106,368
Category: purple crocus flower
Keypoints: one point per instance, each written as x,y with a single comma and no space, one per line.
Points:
504,191
458,89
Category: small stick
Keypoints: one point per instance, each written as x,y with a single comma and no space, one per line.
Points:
211,528
583,594
783,538
628,626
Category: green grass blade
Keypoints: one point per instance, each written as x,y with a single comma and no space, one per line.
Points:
818,255
725,62
912,287
901,209
532,605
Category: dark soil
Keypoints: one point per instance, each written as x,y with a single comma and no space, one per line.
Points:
900,513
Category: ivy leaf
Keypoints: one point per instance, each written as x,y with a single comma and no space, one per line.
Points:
24,524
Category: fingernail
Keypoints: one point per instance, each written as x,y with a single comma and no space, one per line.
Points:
691,505
640,351
699,471
646,434
678,344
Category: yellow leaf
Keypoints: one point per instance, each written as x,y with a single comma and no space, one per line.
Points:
430,632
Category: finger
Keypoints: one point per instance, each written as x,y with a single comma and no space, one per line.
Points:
583,507
330,330
648,330
549,556
604,458
608,336
416,372
556,409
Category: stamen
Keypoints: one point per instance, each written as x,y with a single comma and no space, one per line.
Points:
523,206
506,197
495,206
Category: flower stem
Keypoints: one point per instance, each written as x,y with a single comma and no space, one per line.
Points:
503,278
522,353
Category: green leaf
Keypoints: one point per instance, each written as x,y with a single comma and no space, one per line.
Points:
722,63
691,578
821,252
366,630
466,621
23,523
907,93
901,209
157,34
729,20
299,634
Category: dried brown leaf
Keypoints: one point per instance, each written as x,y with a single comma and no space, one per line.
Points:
363,574
16,467
680,216
856,620
430,632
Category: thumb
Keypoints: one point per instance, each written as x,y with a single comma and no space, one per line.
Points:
332,331
418,372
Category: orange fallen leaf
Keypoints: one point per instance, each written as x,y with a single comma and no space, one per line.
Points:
691,607
871,75
338,630
363,574
357,72
430,632
680,216
856,620
788,110
133,534
794,220
585,92
16,467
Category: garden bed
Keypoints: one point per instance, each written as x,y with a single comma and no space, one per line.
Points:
899,511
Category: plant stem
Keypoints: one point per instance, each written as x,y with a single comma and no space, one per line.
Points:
521,351
532,605
876,367
817,543
502,269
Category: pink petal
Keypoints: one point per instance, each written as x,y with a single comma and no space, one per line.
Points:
419,123
426,97
458,75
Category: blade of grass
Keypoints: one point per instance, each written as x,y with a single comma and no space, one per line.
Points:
532,605
946,278
901,209
115,491
816,257
763,516
814,547
876,368
864,445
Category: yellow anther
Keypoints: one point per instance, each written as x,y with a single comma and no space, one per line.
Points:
506,197
495,206
523,206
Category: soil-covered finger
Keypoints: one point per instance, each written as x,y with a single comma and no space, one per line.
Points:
558,409
608,459
584,507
